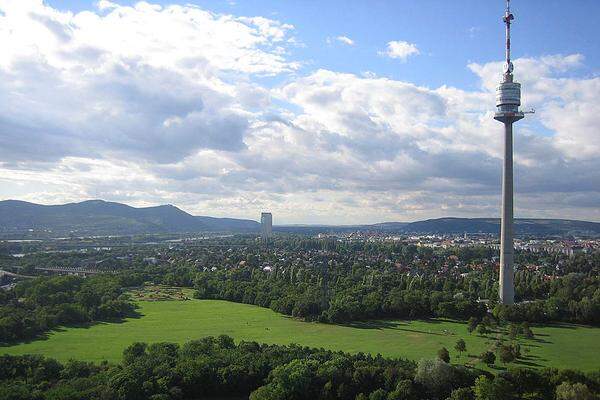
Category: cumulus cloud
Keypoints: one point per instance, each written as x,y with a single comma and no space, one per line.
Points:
401,50
154,104
105,5
565,106
415,143
345,40
152,82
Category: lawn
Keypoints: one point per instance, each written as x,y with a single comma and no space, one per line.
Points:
565,346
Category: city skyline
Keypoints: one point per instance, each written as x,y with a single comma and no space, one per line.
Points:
224,109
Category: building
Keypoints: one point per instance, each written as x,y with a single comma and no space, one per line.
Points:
508,100
266,226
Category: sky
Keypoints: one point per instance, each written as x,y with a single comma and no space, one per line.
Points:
326,112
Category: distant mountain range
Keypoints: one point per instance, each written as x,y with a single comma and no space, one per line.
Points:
523,226
97,217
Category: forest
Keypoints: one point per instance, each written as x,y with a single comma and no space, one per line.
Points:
216,367
341,287
35,306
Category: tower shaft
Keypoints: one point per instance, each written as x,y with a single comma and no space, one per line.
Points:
507,291
508,100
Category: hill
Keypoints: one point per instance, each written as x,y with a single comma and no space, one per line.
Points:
523,226
97,217
447,226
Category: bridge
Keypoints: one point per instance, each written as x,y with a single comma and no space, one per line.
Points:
69,270
12,274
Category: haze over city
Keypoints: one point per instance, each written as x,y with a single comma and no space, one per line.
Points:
320,112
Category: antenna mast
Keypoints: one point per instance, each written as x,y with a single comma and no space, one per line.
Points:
508,67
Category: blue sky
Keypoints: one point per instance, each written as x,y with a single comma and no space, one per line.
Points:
318,111
449,34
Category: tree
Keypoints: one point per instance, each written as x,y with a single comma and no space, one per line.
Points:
293,379
268,393
436,376
379,394
482,330
460,346
488,357
225,342
461,394
527,330
15,390
575,391
444,355
506,354
472,324
404,391
133,352
128,384
516,349
492,389
513,331
487,321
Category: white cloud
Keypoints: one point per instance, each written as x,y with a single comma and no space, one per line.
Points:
162,104
183,38
566,106
113,84
400,50
345,40
105,5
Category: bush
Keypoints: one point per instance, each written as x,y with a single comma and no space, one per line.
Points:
488,357
575,391
444,355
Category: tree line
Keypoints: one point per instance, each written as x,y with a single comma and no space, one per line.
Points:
219,368
35,306
337,293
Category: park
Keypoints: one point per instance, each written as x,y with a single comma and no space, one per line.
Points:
558,346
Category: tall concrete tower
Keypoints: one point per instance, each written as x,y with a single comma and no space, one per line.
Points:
508,100
266,226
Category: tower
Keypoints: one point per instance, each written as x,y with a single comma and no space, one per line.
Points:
508,100
266,226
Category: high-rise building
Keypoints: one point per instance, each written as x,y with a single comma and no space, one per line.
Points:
266,226
508,100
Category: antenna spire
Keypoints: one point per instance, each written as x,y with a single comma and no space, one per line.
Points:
508,67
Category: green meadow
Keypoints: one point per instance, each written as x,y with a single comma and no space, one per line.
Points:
561,346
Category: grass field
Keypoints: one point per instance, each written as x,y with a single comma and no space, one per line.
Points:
565,346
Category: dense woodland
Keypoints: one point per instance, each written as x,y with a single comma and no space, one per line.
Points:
34,306
216,368
380,294
341,287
